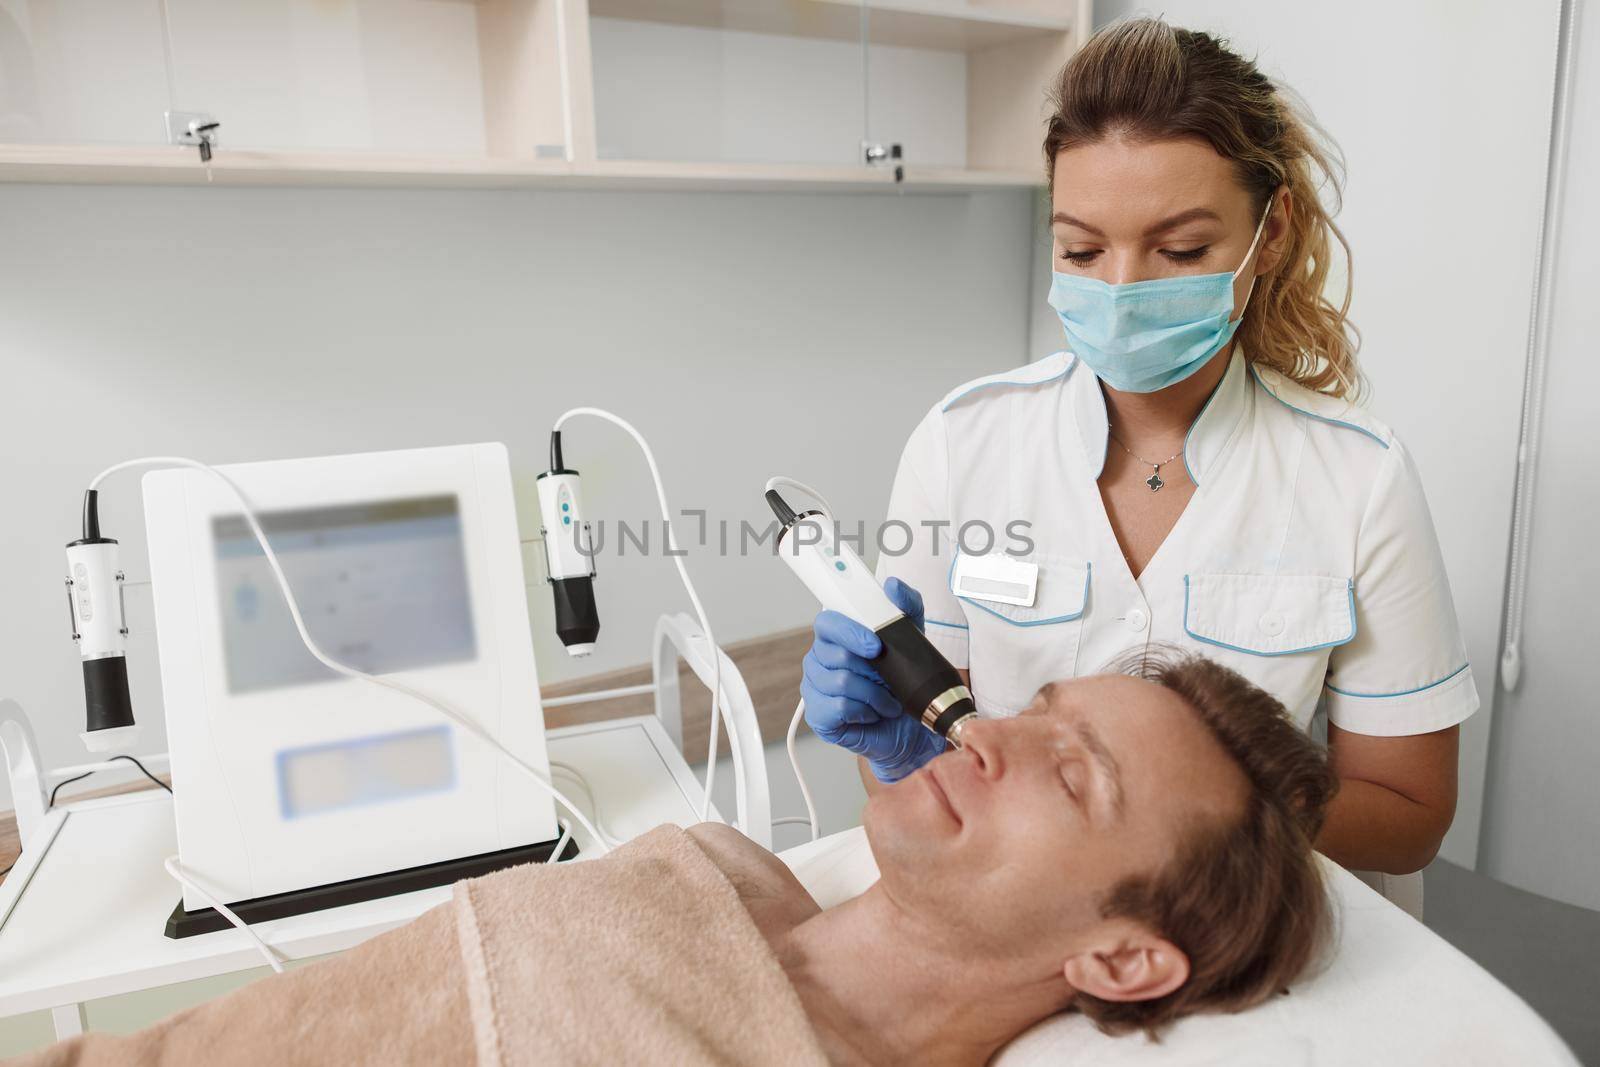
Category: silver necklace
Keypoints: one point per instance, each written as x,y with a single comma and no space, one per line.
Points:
1154,481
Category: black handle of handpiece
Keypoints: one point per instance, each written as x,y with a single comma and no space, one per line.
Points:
918,675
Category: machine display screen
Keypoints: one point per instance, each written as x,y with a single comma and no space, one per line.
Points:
382,586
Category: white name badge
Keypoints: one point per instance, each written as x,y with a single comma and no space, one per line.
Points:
999,579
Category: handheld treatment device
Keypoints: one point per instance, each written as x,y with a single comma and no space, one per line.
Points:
922,679
571,568
99,625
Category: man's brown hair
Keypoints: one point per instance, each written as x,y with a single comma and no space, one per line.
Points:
1244,899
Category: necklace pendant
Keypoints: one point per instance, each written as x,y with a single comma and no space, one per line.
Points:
1154,481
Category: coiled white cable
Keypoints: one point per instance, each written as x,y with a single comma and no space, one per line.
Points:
800,709
717,704
334,665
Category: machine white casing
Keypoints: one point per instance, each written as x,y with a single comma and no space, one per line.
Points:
224,746
834,573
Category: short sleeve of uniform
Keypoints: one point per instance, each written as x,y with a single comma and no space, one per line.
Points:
1405,671
919,520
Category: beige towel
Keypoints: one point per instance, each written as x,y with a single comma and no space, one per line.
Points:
645,957
648,956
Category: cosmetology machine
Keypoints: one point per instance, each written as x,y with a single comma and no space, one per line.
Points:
292,783
347,666
346,660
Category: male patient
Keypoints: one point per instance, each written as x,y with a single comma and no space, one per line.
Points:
1134,847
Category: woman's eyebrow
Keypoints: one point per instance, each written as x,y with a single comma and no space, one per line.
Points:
1194,214
1061,216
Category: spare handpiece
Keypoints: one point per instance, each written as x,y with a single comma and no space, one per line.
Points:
924,682
94,599
571,566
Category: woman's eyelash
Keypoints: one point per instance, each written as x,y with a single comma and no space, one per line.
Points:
1187,255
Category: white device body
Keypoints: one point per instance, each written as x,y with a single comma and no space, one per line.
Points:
834,573
96,598
561,512
264,776
94,577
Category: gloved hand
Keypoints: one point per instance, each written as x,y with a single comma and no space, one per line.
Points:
847,703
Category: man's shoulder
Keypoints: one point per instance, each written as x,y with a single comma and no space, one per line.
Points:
776,900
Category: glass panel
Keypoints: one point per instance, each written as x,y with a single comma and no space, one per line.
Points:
385,75
916,88
82,72
738,81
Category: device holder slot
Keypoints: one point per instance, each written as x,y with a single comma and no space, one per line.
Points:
589,553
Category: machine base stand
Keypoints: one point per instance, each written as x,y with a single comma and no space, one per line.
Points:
183,923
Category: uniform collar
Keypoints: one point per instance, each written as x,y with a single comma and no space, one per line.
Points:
1207,438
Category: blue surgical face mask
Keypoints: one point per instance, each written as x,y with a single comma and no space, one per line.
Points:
1145,336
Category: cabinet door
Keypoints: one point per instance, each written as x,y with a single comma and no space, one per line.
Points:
400,76
728,81
82,72
963,83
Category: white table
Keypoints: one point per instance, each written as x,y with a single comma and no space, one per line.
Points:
90,918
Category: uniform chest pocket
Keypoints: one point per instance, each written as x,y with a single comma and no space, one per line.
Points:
1014,649
1269,615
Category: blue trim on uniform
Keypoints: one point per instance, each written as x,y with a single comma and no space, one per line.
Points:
953,401
1203,408
1313,414
1088,571
1256,652
1403,692
951,625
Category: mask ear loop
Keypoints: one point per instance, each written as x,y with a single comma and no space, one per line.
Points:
1250,254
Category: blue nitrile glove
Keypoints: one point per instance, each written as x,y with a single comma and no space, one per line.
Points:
847,703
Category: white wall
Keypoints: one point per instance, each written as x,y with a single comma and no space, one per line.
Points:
1441,109
745,334
1542,827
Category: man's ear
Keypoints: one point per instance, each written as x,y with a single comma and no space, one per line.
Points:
1132,964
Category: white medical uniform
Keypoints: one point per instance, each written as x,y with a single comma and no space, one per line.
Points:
1306,559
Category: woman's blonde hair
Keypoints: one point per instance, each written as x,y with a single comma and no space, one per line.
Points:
1144,79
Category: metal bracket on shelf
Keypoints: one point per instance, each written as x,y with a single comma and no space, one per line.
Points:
875,153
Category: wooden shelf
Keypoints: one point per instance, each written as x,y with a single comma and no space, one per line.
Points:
955,25
179,166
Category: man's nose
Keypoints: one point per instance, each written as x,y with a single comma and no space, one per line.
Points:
984,740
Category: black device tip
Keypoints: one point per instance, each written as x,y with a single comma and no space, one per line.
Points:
91,515
780,507
555,451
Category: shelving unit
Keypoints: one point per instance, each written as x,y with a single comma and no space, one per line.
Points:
691,94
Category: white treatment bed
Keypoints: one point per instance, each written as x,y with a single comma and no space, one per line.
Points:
1394,993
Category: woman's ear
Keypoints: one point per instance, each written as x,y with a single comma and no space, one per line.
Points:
1276,237
1135,965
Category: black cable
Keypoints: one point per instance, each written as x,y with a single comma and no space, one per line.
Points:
85,774
145,769
64,781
